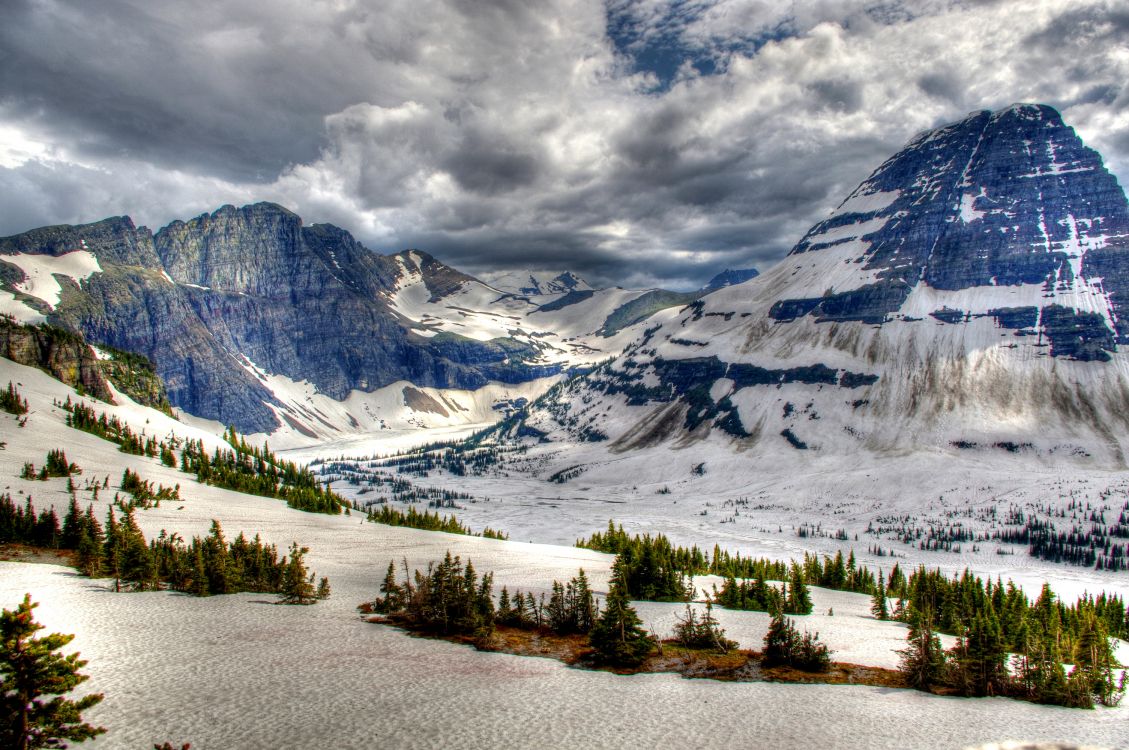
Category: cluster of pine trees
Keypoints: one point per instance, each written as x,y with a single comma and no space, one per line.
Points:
12,402
83,417
979,664
258,471
702,631
205,566
955,601
145,494
994,623
244,468
571,608
118,550
656,570
449,598
453,458
785,646
426,520
56,465
759,595
22,525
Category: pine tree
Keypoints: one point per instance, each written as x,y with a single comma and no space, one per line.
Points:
30,669
585,603
704,632
799,600
1038,668
978,661
113,549
393,595
323,588
813,656
781,642
297,584
923,660
11,401
618,636
1093,659
878,606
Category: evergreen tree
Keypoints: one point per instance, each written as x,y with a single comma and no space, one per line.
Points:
799,600
30,669
781,643
393,595
878,601
814,656
1040,675
978,661
1094,661
618,636
585,603
784,646
297,583
11,401
923,660
704,632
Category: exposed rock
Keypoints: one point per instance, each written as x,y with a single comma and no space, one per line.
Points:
729,277
61,353
974,290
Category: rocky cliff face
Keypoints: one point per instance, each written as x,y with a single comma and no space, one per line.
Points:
226,300
62,354
970,294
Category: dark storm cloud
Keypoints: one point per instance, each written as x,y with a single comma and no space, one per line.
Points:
487,165
941,84
837,94
636,142
122,78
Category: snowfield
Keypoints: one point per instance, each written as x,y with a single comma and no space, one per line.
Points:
239,672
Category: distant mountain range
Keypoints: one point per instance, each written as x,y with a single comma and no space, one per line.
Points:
256,320
971,294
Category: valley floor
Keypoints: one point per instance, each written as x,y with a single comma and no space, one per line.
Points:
240,672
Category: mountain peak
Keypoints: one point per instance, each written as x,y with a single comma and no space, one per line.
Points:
973,291
536,283
729,277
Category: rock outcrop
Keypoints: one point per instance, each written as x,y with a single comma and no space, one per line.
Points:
219,301
61,353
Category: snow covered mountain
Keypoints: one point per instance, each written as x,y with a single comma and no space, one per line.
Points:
536,283
257,320
729,277
971,295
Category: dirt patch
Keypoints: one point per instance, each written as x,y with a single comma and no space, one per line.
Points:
420,401
733,666
40,555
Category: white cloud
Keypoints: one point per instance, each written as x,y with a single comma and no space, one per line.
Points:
501,133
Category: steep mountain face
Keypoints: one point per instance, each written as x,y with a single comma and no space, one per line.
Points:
970,295
249,314
64,355
729,277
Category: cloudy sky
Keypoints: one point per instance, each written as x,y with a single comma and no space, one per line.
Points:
637,142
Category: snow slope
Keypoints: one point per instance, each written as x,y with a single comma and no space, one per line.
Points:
39,272
236,671
213,671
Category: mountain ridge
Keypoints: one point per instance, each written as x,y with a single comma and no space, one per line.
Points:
226,301
953,300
